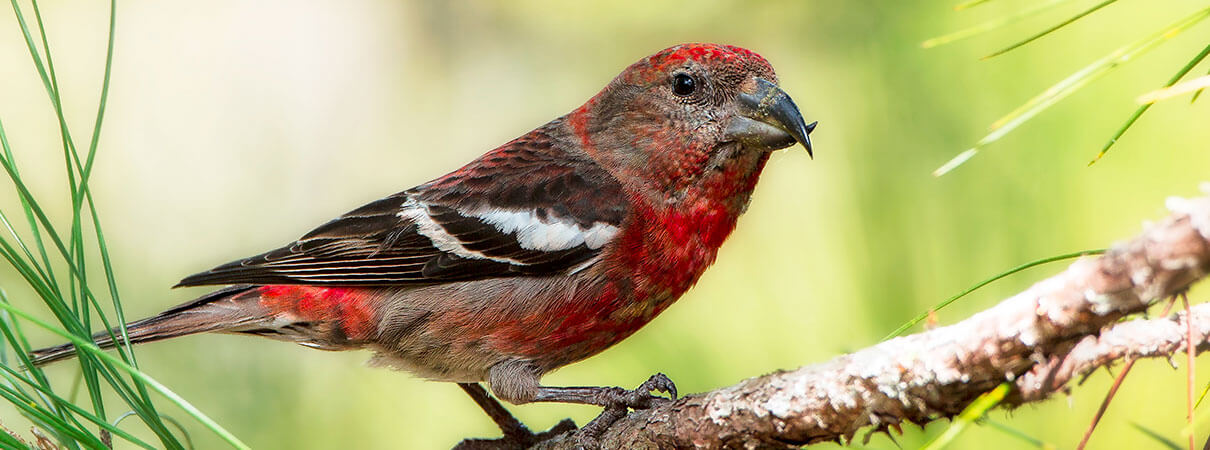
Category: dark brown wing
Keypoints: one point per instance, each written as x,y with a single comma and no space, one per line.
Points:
526,208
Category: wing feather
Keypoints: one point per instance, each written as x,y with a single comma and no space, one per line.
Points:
525,208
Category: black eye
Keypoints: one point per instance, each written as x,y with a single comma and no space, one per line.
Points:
683,85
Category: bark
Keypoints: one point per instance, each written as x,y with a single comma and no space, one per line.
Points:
1060,329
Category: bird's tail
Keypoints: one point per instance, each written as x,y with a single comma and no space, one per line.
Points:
221,310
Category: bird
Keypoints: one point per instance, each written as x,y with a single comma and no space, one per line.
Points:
540,253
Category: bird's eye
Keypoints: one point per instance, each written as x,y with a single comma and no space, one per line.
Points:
683,85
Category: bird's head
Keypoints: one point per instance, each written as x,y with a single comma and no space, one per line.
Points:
689,111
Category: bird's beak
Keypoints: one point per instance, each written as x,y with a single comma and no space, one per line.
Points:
767,118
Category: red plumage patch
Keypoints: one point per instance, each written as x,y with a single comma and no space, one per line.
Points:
717,54
343,307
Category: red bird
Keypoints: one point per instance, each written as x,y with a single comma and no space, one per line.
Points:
540,253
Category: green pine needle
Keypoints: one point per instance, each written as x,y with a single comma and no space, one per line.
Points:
1021,435
920,318
1198,93
86,345
973,412
1052,29
1158,438
71,300
1142,109
990,25
1073,83
969,4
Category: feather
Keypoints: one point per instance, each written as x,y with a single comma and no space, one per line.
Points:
525,208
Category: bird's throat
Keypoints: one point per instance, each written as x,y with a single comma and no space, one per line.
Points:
680,237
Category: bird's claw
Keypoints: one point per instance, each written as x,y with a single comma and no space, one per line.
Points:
641,397
659,383
619,401
516,440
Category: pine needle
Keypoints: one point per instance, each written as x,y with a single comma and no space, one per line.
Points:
1158,438
1075,82
1184,87
1134,117
922,316
1052,29
976,410
990,25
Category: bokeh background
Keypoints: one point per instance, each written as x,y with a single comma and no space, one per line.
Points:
234,127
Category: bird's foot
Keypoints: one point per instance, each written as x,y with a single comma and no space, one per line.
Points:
517,439
618,402
516,434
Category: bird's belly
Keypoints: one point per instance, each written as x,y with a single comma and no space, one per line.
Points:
459,340
575,331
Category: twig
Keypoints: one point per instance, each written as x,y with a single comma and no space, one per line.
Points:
1190,358
1058,330
1113,390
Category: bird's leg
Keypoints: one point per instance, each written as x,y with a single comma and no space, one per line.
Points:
638,398
513,429
516,434
615,400
517,382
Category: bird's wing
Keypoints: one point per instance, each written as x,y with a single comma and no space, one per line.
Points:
522,209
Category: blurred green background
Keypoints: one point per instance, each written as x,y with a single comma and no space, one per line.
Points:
234,127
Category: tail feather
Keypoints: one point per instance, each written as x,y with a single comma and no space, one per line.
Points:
204,314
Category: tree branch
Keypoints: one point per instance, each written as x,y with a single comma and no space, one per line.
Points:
1059,329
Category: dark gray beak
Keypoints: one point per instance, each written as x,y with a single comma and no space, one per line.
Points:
769,119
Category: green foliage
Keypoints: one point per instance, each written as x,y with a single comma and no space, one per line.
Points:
62,276
1074,82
